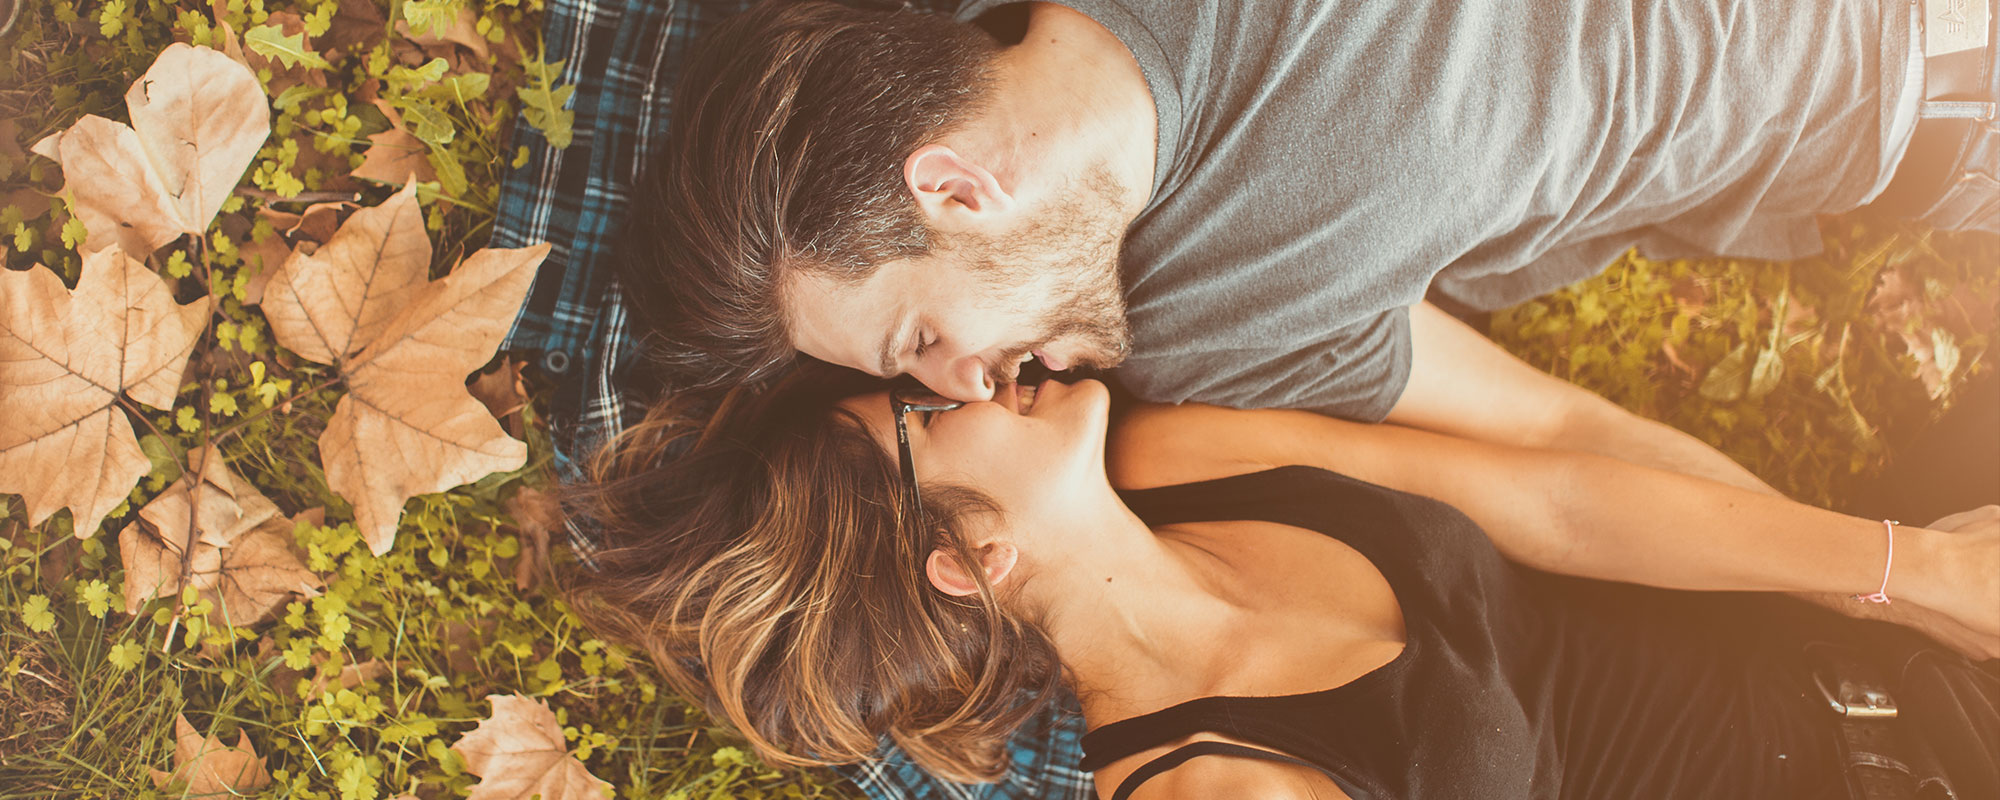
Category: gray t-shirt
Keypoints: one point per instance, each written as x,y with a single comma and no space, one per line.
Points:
1321,164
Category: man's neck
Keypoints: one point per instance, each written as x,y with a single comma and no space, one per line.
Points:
1069,97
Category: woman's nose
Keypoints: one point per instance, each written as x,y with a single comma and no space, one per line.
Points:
964,379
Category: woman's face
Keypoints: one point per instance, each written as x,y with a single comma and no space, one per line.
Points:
1037,451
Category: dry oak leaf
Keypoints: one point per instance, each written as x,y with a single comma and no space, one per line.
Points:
64,359
242,559
210,768
198,118
519,753
404,346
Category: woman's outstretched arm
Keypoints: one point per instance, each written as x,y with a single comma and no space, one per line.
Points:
1589,515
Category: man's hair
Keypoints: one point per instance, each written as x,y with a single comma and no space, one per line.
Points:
791,125
768,571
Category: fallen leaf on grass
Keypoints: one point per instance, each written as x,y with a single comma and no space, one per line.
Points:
198,119
10,144
31,203
242,559
327,305
443,22
462,644
210,768
64,359
539,516
407,425
504,392
519,753
350,676
395,155
357,25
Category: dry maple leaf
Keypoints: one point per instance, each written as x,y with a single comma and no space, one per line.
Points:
519,753
198,118
395,155
326,305
242,559
64,359
210,768
407,425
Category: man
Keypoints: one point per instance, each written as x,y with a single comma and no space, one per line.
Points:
1245,204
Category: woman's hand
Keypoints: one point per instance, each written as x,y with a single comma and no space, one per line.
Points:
1954,588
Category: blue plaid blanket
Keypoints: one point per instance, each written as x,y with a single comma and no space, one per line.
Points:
622,56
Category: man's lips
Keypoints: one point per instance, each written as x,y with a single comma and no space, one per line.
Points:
1053,362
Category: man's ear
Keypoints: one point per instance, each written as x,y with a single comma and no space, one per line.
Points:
950,187
949,575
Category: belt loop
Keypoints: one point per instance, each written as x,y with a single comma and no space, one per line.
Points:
1956,109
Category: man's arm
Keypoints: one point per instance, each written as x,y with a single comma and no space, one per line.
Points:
1462,384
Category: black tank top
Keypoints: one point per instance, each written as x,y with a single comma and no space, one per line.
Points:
1513,683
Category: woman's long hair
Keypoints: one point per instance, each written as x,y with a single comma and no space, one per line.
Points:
766,568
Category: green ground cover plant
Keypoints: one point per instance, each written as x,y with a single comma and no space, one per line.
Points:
368,682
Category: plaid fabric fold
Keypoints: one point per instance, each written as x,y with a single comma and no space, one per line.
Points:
622,56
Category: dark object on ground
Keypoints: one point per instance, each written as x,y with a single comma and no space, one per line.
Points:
1952,466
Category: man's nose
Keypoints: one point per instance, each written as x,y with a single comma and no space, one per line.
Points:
964,379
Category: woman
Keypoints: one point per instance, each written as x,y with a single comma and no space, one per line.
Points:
1272,604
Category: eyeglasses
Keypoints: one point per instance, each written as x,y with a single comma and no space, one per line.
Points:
902,402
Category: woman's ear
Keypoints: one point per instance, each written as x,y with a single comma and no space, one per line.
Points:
949,575
951,188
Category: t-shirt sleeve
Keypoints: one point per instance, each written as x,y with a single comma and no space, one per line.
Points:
1354,372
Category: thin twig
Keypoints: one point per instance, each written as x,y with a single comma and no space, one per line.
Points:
302,197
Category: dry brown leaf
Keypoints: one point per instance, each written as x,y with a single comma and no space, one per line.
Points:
264,258
539,516
31,203
328,305
210,768
357,26
242,559
64,359
350,676
321,220
407,425
232,45
504,392
463,31
462,644
198,119
10,141
395,155
519,753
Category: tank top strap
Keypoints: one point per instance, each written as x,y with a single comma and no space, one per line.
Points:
1120,739
1182,754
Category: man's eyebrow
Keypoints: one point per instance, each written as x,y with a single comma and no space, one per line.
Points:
886,366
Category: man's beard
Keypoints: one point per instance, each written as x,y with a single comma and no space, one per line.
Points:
1065,263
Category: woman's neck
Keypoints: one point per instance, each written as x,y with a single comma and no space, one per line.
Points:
1142,618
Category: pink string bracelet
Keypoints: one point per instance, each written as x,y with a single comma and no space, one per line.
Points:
1882,595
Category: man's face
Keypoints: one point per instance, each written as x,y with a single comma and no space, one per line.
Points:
964,317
